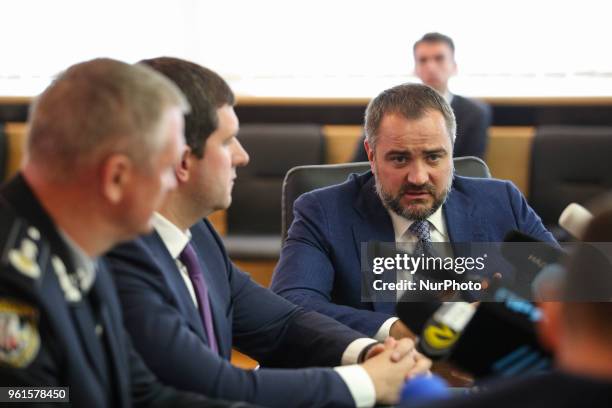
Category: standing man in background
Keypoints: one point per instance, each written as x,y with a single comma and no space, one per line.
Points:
434,64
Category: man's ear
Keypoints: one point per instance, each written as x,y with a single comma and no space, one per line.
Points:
370,153
550,326
185,165
117,172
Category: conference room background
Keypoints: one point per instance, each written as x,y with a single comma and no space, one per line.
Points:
309,68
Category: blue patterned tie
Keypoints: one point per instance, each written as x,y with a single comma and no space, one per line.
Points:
420,229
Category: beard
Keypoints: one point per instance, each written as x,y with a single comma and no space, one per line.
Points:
419,211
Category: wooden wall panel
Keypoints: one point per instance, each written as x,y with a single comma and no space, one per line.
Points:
340,142
16,136
509,154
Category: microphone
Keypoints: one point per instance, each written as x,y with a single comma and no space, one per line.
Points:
529,256
423,388
546,286
501,340
494,339
443,328
415,315
574,219
417,306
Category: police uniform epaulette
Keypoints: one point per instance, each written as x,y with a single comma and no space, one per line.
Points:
22,248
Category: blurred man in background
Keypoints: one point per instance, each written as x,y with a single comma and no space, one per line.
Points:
434,64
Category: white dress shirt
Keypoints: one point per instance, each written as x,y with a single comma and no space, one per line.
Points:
449,97
355,377
85,273
401,225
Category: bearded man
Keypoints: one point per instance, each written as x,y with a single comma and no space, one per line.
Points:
410,195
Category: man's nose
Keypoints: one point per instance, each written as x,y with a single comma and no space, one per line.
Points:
417,173
240,157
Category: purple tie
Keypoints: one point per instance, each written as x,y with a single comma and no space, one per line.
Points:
190,260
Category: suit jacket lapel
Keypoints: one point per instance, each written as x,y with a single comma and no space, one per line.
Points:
118,358
463,223
87,331
374,225
112,333
175,282
68,330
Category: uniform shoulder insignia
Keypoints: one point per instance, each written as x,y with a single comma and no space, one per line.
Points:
71,291
23,249
19,336
24,258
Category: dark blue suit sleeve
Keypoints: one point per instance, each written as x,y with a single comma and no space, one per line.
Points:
528,221
268,327
306,273
473,121
147,391
176,354
278,334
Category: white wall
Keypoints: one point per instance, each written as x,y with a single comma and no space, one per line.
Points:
318,47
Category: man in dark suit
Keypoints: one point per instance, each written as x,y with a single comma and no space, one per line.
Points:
186,304
409,196
102,143
434,64
576,330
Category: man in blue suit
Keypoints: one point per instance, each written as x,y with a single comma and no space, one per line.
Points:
186,304
410,196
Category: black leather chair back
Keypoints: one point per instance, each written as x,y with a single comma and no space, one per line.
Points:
253,222
568,164
302,179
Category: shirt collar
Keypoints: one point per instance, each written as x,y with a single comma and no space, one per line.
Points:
401,224
85,267
449,97
173,238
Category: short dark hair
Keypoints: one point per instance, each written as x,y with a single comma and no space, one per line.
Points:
206,92
435,38
589,275
411,101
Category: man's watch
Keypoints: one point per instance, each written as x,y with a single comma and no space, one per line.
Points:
364,352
